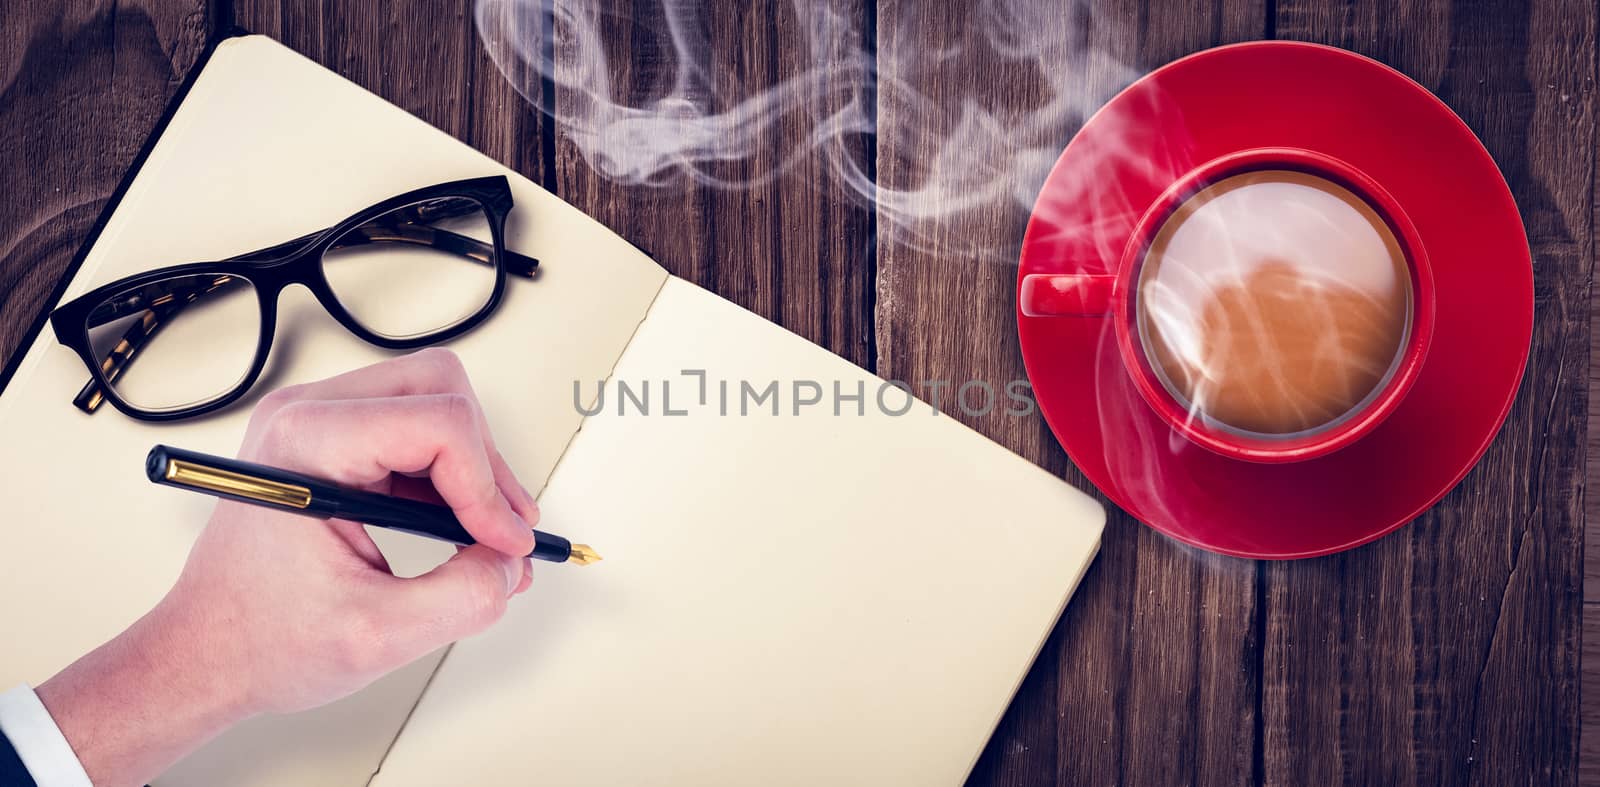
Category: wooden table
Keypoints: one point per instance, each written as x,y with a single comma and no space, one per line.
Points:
1446,652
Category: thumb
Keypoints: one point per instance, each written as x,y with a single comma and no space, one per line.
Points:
459,598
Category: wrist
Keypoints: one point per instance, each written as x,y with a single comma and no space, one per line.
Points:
189,648
135,705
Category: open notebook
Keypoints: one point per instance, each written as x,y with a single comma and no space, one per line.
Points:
811,599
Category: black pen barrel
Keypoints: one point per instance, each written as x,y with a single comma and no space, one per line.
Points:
423,519
301,494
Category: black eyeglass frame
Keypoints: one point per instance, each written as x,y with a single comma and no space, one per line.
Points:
298,261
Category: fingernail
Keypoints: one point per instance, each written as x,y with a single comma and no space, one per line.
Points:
527,577
513,571
533,505
527,528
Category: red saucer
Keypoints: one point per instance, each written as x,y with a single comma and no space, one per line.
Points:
1283,94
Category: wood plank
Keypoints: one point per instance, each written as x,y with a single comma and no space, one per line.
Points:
416,55
510,126
1589,741
1589,685
1448,652
84,84
788,246
439,70
1150,677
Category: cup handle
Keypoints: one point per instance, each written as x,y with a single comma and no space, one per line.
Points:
1066,294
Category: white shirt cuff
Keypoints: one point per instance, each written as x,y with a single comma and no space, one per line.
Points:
44,751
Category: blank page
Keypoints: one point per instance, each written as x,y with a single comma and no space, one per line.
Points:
784,600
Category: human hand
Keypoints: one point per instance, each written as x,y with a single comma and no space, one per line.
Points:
274,612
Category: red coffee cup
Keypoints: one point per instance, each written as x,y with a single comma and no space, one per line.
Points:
1113,296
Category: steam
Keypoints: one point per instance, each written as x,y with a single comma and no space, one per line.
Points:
958,153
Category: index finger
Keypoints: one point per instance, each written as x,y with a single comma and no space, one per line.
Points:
362,441
429,371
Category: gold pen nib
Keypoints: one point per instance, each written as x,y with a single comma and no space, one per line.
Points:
583,555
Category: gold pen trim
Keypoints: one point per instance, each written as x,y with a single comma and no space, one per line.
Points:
227,482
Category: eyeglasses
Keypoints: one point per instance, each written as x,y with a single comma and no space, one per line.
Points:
413,270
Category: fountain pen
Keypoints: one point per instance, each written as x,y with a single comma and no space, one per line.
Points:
294,493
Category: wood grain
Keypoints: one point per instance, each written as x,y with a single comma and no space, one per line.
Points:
510,128
785,246
84,84
1151,676
417,55
421,56
1589,683
1589,741
1448,651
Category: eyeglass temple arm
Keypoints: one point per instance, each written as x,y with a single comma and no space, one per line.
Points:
91,395
413,225
444,240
